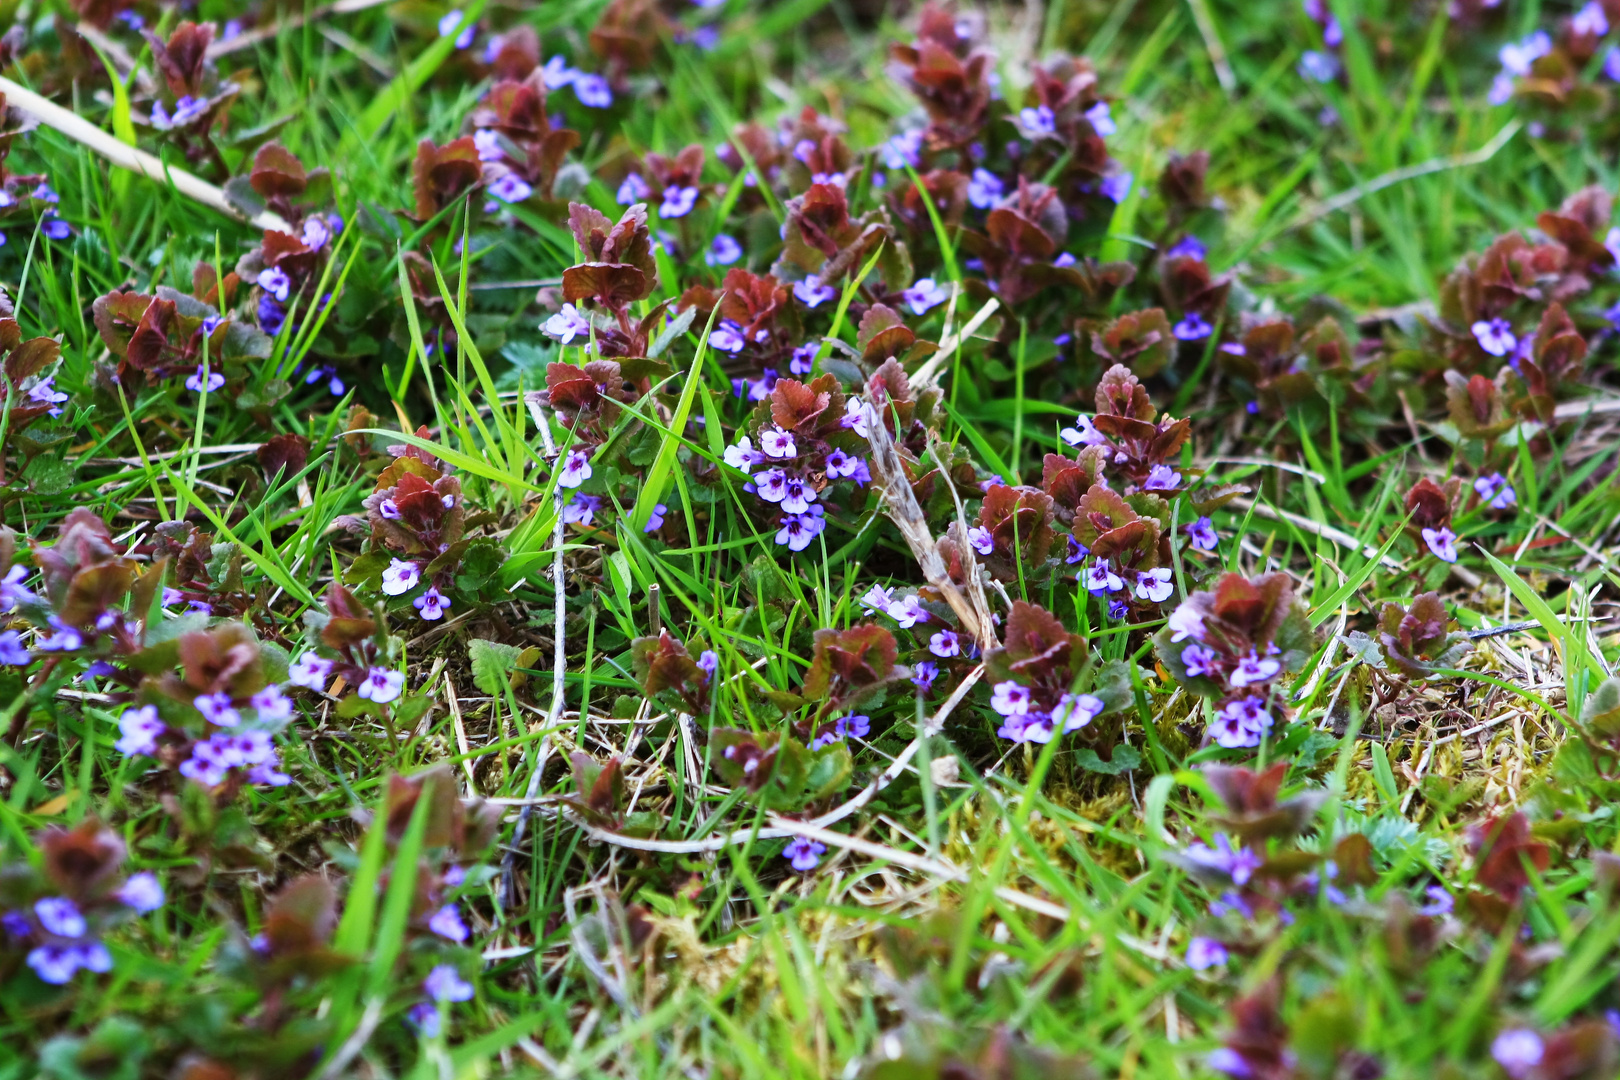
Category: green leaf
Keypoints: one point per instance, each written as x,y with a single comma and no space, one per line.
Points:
493,663
1125,759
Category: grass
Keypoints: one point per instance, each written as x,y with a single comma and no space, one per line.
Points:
977,900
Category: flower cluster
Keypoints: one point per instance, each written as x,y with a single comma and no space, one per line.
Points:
416,519
1035,671
351,653
1232,644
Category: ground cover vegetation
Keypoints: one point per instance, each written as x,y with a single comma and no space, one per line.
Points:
654,538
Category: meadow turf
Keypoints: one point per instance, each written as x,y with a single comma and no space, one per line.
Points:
822,538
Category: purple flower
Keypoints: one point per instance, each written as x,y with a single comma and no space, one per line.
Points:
1162,478
56,964
840,465
446,922
567,324
903,149
1440,902
576,469
743,455
1518,1051
1075,711
1185,622
1188,247
381,685
1517,58
594,92
1239,864
982,540
1155,585
1192,328
1101,122
804,360
1496,491
984,189
797,495
271,706
799,529
11,589
1037,122
432,604
804,854
1077,550
923,675
510,188
723,251
1199,660
46,393
925,295
1241,723
727,337
60,916
853,726
65,638
204,381
632,189
310,671
142,892
856,417
488,144
424,1017
771,485
877,598
1204,953
1083,433
777,443
216,709
275,281
1495,337
1100,579
400,577
1442,542
945,644
11,649
908,612
557,74
1611,63
445,985
812,293
1501,91
1117,187
709,661
451,22
1202,535
678,202
1255,668
1318,66
1225,1059
1010,699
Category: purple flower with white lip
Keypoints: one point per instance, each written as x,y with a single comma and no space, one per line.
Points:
567,324
981,539
727,337
1442,542
908,612
1032,727
804,854
1496,491
1201,534
1240,724
1100,579
1162,478
594,92
1188,247
1102,123
488,144
923,675
309,671
842,466
446,922
876,599
275,281
799,529
924,296
777,443
1192,328
432,604
771,485
1037,122
1083,433
984,189
632,189
797,495
1075,711
204,381
1204,953
60,916
443,984
557,74
45,393
1318,66
510,188
743,455
216,709
11,649
812,293
1155,584
576,469
1518,1051
400,577
723,251
57,964
804,360
678,202
271,706
1495,337
945,643
1010,699
141,892
1255,668
381,685
1199,660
